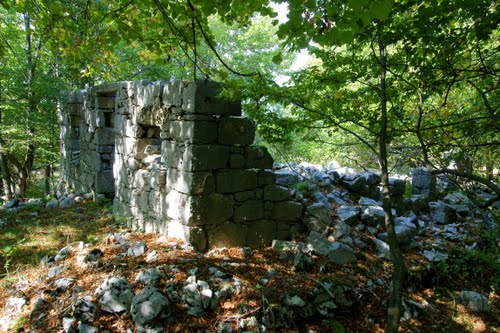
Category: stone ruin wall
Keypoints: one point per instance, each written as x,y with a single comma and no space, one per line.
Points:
178,160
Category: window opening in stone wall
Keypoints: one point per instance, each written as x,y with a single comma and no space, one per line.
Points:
74,140
105,104
108,119
149,145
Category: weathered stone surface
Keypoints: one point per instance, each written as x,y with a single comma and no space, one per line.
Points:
204,157
84,309
228,235
348,214
237,130
373,215
475,301
193,183
287,179
276,193
365,183
105,102
341,253
176,157
319,243
249,211
236,161
150,310
201,97
211,209
261,232
115,295
442,212
172,93
433,255
105,182
104,136
321,212
194,131
231,181
257,157
423,182
313,224
266,177
383,249
287,211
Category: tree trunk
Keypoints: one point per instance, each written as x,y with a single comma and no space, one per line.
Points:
6,178
394,308
48,173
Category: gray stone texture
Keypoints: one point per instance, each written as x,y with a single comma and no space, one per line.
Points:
423,182
150,310
115,295
178,159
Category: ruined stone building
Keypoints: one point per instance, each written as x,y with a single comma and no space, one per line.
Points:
178,160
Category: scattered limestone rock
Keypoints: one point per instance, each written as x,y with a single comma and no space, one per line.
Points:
52,204
115,295
341,253
475,301
150,310
383,249
136,249
148,276
84,309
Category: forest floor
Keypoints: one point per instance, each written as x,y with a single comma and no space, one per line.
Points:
25,238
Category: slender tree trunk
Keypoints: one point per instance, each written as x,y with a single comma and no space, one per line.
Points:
27,166
48,172
394,309
6,178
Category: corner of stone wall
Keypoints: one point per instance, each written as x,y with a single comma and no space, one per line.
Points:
179,160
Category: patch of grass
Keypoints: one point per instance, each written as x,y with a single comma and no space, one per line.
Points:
27,239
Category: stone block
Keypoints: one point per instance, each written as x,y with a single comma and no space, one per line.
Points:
266,177
227,235
260,233
191,235
105,102
287,211
75,109
258,157
423,182
204,157
198,210
244,196
104,136
141,180
201,97
249,211
236,161
194,157
104,149
276,193
172,93
104,182
236,130
193,183
232,181
193,131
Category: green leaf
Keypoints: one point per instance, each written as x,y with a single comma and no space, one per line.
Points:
277,58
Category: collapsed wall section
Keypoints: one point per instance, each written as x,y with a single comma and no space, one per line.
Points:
182,161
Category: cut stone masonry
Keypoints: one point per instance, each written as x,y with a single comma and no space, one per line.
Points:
178,160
